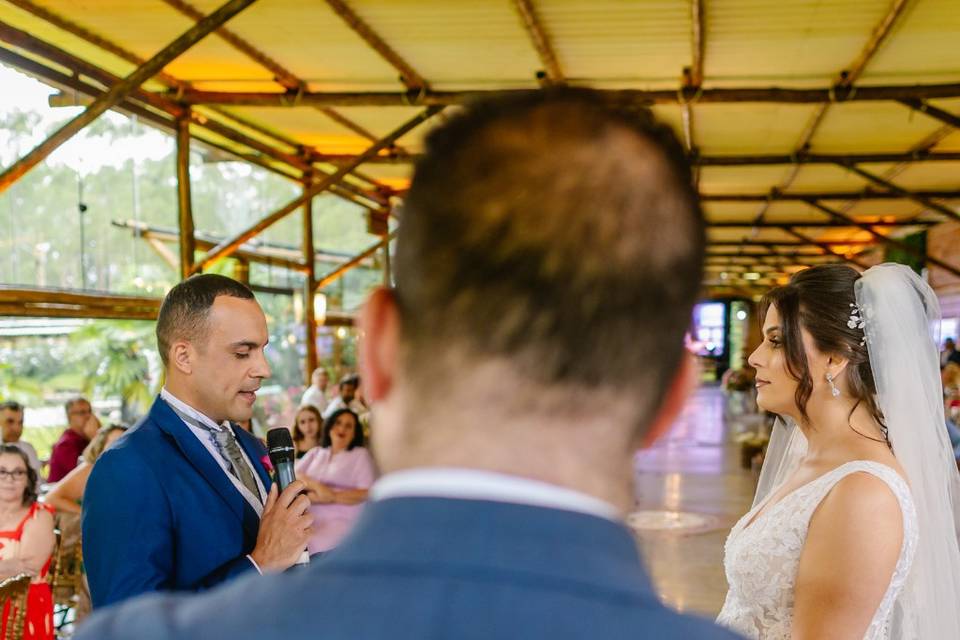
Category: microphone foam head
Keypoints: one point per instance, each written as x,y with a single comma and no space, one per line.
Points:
280,445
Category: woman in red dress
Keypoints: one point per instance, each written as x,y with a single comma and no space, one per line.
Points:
26,541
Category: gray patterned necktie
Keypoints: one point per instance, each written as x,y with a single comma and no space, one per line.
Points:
227,443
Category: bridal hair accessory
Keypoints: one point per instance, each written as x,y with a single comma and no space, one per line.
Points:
834,391
857,321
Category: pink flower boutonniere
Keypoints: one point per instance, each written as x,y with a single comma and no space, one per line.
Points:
265,461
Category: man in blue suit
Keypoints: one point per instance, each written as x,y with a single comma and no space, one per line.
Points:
550,252
182,502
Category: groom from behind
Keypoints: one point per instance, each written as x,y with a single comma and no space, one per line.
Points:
549,256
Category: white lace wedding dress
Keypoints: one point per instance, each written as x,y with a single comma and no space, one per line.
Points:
762,556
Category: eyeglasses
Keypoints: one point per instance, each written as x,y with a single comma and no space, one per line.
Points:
15,474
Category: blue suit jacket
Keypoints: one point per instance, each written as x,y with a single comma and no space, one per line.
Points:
424,568
159,513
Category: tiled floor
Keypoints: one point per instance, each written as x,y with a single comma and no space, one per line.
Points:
693,469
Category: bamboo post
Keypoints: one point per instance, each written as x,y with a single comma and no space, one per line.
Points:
184,200
309,291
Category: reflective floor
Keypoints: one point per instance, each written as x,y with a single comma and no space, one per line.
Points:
690,491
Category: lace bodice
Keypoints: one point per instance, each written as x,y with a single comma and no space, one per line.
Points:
761,557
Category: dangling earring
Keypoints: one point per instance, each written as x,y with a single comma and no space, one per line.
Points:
834,391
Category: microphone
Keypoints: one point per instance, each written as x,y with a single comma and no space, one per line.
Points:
280,448
281,451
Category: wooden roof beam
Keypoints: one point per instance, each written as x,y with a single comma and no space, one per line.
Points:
747,242
890,242
60,57
866,194
726,224
827,247
845,80
780,95
540,39
408,76
119,91
353,262
229,246
283,76
915,196
936,113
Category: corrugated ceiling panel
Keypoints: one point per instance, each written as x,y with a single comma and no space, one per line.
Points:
930,175
310,40
922,47
146,27
739,179
866,127
800,42
825,177
619,42
454,45
773,128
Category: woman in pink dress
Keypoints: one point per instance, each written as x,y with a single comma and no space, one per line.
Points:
338,474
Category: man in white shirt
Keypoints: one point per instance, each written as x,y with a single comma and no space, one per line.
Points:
316,393
347,399
11,425
549,257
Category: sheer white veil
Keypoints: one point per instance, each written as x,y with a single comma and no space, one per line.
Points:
901,313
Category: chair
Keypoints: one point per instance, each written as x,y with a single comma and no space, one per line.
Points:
14,591
67,583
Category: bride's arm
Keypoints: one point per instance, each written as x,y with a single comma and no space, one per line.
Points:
848,559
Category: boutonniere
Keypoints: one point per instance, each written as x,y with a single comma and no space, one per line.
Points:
265,461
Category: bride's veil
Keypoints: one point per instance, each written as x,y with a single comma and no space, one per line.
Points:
901,313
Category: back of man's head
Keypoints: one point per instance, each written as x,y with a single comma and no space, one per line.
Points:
186,308
555,231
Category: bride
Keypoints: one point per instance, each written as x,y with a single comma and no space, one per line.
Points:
854,529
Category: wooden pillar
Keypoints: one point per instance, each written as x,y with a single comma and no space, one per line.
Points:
241,273
309,291
184,204
387,267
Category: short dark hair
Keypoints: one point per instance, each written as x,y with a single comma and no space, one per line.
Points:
331,420
186,308
12,405
72,401
558,228
29,491
819,299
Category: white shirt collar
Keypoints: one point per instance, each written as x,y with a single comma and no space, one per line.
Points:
183,407
472,484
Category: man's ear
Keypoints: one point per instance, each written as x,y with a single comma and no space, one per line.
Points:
182,356
684,384
379,344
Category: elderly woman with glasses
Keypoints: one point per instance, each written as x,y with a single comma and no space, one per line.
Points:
26,541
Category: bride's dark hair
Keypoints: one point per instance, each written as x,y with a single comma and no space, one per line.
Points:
818,300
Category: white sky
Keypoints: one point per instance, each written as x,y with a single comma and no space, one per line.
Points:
83,153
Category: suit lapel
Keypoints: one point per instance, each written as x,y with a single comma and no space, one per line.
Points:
201,460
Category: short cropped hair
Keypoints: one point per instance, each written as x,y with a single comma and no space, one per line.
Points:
559,229
186,308
12,405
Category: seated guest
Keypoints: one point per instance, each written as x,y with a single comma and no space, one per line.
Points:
347,399
306,429
67,494
11,425
338,474
66,452
316,393
26,541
